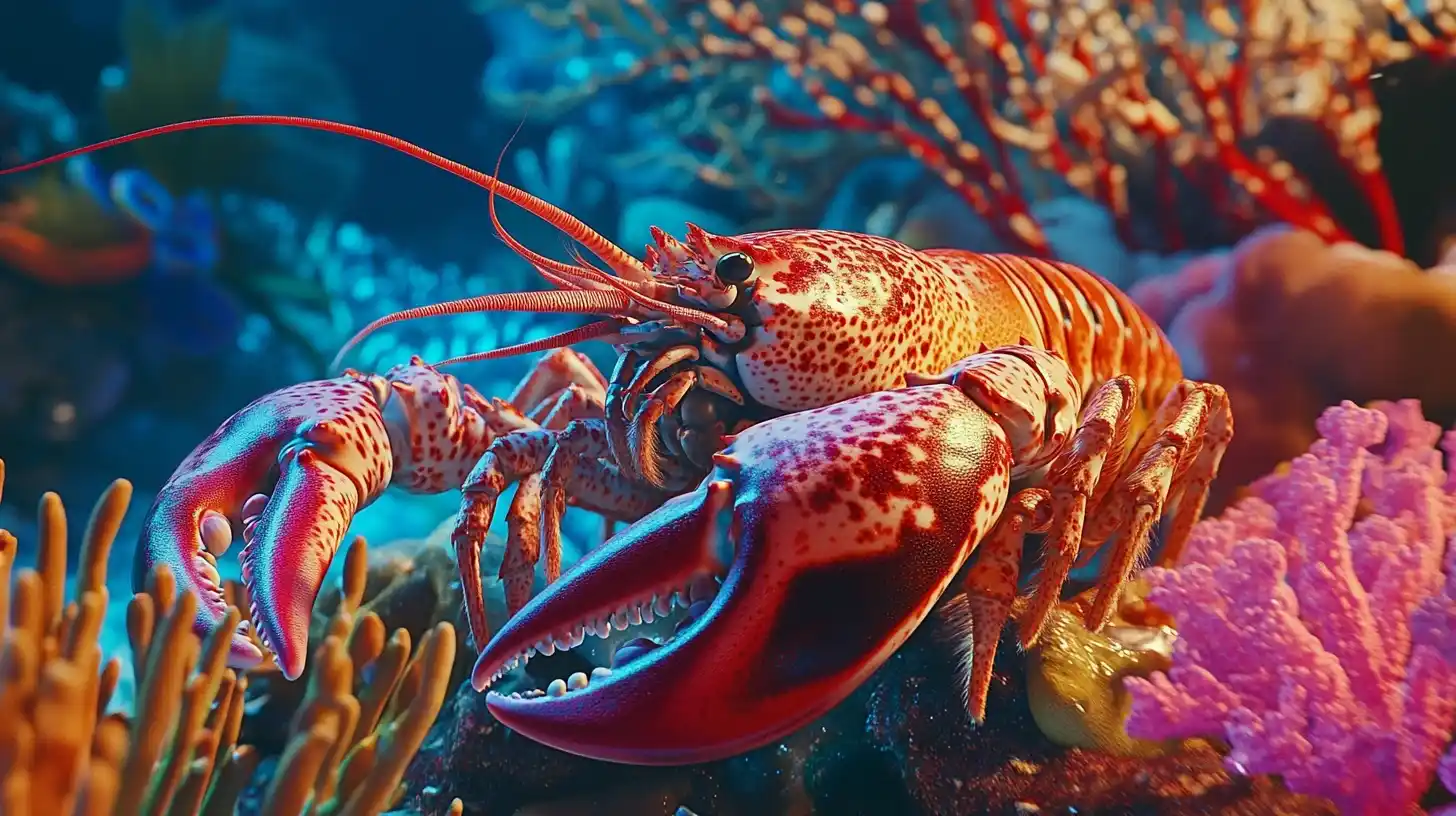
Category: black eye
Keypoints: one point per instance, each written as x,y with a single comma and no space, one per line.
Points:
735,267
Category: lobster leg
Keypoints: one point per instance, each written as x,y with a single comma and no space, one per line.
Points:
527,458
1217,435
523,549
540,391
1179,458
568,394
576,467
1072,480
562,386
990,586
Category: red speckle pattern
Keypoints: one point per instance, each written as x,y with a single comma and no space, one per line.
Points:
337,445
438,428
846,314
325,436
854,479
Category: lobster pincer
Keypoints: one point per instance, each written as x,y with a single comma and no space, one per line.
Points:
289,471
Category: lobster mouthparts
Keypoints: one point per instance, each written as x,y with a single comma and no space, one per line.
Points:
834,531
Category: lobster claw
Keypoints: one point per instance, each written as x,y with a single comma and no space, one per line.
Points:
818,543
290,470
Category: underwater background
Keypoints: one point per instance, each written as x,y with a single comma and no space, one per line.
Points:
1271,182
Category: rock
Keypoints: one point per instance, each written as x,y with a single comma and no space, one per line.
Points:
1006,766
900,745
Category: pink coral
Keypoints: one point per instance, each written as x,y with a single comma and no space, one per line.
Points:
1321,647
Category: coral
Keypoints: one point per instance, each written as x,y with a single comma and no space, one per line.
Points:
61,212
1122,104
357,275
1317,618
889,748
1258,320
368,705
173,71
62,753
695,121
1075,682
949,766
407,588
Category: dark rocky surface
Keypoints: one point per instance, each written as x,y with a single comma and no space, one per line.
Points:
900,745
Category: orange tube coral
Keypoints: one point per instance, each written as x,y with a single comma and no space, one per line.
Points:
62,753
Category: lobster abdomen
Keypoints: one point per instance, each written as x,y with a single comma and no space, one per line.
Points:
1094,325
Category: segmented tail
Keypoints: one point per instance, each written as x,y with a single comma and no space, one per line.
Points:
1094,325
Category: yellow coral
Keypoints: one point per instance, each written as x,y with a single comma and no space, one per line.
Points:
1074,685
60,752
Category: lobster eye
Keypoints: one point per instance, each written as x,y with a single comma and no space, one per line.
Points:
734,268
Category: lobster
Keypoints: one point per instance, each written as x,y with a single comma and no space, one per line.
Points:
813,435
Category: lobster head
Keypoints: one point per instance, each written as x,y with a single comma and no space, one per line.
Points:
826,315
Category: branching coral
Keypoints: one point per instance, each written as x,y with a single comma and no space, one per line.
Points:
1088,94
407,588
704,104
1317,619
62,753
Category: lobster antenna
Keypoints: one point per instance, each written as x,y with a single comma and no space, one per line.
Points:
619,260
577,274
591,331
571,301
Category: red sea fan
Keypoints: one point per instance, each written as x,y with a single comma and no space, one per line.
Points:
1317,619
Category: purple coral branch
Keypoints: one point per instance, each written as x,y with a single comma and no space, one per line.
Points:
1317,619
